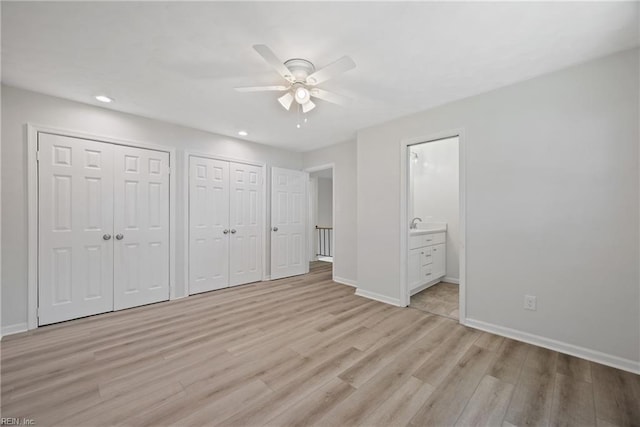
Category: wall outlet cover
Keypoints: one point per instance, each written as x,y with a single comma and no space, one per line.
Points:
530,302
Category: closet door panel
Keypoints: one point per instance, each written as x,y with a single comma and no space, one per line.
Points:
141,227
75,227
208,221
245,219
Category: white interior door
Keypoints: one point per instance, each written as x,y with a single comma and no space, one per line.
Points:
141,226
208,224
75,224
288,222
245,222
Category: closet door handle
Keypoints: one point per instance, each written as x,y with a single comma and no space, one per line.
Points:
106,237
275,229
233,231
226,231
119,236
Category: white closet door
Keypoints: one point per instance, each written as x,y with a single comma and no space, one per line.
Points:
208,221
75,224
245,206
288,222
141,227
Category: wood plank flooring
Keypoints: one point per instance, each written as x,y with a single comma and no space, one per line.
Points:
441,299
298,351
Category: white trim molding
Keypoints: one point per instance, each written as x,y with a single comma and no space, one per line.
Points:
559,346
344,281
15,329
454,280
378,297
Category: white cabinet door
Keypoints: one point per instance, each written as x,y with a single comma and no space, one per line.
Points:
208,221
438,255
245,222
288,222
75,225
415,276
141,227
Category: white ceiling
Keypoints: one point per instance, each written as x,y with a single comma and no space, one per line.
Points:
179,62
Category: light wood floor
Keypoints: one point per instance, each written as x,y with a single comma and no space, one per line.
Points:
299,351
441,299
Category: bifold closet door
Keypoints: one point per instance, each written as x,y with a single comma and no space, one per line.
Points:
141,227
245,218
75,226
208,224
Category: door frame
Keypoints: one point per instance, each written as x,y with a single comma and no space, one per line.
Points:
33,207
185,207
310,170
404,213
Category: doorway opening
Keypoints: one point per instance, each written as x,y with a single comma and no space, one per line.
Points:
321,234
433,208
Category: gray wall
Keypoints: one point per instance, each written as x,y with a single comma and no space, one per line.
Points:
325,202
20,107
552,205
343,156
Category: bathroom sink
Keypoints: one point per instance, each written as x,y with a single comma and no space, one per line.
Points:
434,227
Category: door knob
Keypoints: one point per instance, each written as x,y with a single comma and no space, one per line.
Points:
106,237
233,231
119,236
275,228
225,231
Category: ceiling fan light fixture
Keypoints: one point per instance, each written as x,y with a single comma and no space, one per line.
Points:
308,107
286,100
302,95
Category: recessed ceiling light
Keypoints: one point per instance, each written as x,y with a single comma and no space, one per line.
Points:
104,98
243,133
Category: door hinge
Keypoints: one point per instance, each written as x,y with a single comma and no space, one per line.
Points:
38,313
169,171
38,156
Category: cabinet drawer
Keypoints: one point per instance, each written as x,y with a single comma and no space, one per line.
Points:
434,239
425,255
426,240
426,273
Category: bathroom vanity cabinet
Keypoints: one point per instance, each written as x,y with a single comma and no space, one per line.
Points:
427,258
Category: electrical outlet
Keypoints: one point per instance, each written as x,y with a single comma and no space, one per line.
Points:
530,302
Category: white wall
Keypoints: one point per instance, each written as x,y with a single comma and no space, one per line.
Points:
325,202
343,157
20,107
552,191
435,188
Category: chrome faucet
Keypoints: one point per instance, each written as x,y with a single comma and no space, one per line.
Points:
413,224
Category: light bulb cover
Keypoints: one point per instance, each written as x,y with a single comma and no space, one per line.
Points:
104,98
301,95
243,133
308,106
286,100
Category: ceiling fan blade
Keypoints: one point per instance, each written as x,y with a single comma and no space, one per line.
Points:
271,58
330,96
286,100
261,88
308,106
338,67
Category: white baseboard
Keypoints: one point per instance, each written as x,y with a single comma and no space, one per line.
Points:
344,281
14,329
424,286
453,280
378,297
562,347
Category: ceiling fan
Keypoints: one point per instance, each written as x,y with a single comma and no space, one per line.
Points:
302,78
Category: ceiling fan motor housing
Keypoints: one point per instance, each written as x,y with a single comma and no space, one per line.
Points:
300,68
